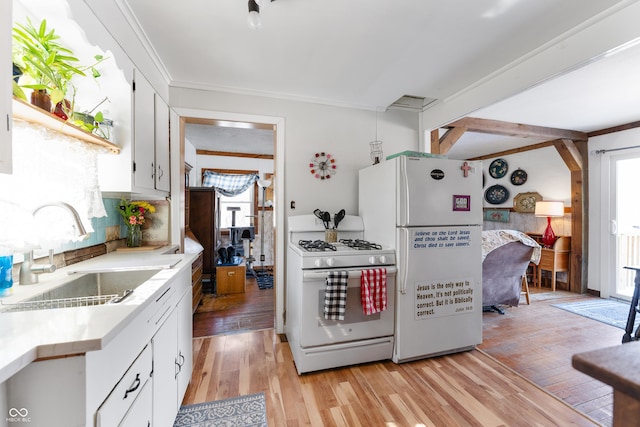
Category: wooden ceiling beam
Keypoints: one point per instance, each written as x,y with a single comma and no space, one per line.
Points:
515,150
570,154
232,154
496,127
450,138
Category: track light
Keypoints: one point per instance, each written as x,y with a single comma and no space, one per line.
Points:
254,15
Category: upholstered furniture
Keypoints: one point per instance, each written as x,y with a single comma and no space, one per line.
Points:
506,256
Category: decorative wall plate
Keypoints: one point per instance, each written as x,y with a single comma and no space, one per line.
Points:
518,177
496,194
526,202
322,165
498,168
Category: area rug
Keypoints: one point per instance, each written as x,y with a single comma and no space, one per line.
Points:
609,311
249,410
265,281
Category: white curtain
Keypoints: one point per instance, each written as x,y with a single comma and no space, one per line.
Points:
47,167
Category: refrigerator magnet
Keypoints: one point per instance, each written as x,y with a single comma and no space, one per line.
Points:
461,203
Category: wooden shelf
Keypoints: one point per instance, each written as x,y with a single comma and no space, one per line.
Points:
35,115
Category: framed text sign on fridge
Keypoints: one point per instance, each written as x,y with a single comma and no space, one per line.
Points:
461,203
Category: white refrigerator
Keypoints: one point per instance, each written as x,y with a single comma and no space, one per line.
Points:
430,211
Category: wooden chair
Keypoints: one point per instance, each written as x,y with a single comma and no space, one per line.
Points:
525,288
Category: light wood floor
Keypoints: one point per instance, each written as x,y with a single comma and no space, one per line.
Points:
480,387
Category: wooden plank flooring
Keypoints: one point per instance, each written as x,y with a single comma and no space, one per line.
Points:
538,341
480,387
249,311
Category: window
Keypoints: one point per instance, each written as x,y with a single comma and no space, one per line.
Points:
242,201
247,202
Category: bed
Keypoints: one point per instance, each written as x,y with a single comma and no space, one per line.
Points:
506,254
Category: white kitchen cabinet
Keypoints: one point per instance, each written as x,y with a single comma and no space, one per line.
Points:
143,164
162,154
172,362
95,382
5,89
143,132
139,414
126,400
151,137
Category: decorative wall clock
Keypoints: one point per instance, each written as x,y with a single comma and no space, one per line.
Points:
322,165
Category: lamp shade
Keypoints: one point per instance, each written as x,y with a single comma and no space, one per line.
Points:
549,209
264,183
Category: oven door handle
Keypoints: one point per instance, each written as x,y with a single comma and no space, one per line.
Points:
353,274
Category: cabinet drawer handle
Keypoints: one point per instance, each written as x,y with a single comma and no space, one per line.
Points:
134,387
231,273
163,294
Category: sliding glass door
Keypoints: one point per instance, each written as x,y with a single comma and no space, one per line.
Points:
624,226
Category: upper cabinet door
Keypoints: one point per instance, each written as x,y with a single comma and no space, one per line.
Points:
5,88
144,132
163,177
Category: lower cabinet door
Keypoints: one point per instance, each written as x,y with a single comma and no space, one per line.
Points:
119,403
139,414
165,369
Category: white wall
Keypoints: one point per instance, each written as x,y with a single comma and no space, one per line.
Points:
310,128
547,174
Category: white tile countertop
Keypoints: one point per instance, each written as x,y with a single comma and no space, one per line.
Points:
29,335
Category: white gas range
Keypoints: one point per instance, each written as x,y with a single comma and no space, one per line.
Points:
315,341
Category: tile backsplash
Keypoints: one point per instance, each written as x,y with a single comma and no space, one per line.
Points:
104,228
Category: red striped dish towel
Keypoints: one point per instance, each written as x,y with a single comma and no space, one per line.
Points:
373,290
335,295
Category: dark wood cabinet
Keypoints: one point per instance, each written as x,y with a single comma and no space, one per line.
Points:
203,222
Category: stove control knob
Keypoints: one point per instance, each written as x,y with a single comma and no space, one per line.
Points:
318,262
372,260
383,259
331,262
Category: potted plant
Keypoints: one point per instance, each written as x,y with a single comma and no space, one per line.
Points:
47,66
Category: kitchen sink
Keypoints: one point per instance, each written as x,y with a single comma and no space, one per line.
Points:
89,289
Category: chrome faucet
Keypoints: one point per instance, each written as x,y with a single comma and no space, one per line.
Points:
29,270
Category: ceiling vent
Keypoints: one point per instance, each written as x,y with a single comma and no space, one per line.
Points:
412,102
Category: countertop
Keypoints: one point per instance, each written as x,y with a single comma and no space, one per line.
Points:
30,335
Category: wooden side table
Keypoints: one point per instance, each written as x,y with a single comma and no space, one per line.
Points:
554,259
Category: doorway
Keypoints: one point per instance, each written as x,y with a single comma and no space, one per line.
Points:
278,185
624,223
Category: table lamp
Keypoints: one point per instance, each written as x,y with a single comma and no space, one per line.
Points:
549,209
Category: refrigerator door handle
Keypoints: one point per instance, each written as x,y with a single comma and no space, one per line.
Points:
403,219
404,238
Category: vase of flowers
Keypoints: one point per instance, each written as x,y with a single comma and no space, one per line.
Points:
133,212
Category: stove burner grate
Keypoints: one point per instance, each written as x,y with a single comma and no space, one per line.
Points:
316,245
360,244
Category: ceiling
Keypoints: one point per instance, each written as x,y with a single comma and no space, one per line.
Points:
368,54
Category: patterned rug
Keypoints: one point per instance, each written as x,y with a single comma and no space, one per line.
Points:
611,312
265,281
249,410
